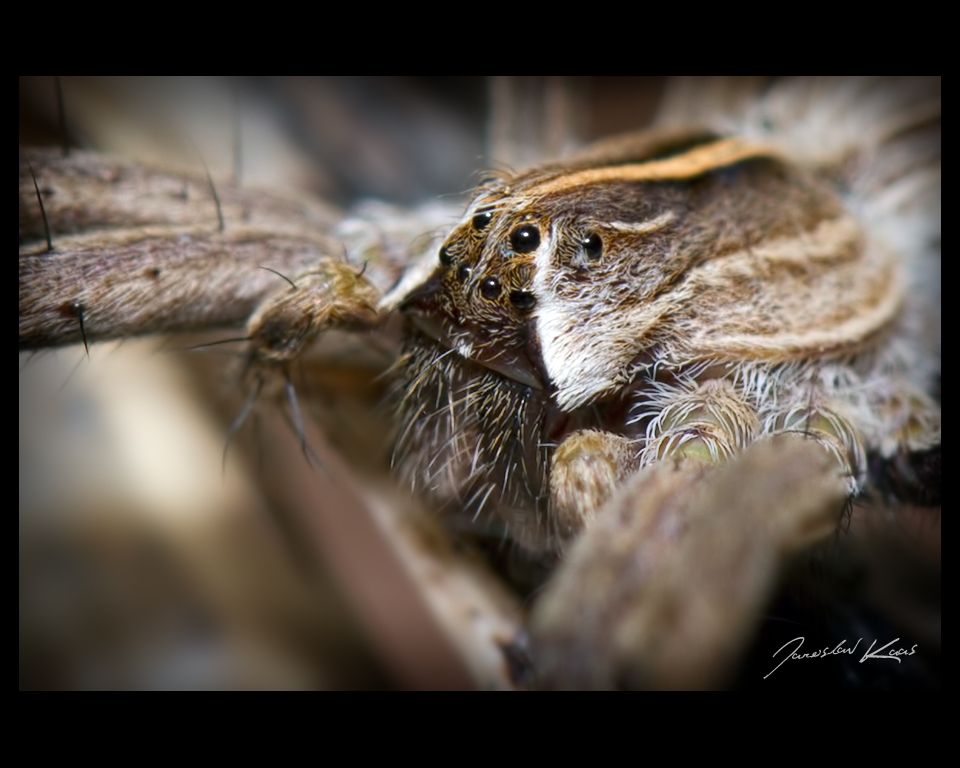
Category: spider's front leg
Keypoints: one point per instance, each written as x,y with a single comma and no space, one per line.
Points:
586,467
712,421
686,552
717,418
684,556
709,422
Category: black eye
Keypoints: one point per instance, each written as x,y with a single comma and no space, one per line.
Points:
445,258
522,300
482,219
463,273
490,288
592,246
525,239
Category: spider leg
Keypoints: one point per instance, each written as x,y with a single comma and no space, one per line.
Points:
586,467
710,421
685,555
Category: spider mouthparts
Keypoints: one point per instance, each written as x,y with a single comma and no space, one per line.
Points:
511,363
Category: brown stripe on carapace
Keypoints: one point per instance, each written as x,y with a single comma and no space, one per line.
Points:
730,209
656,144
698,161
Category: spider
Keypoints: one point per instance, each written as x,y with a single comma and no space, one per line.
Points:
660,366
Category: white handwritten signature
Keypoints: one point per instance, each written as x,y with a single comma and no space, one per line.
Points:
839,650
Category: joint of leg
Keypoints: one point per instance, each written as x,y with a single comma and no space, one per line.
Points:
711,423
833,432
587,467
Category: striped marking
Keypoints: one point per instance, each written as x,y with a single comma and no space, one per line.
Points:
696,162
643,227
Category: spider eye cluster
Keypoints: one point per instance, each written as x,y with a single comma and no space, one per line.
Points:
455,257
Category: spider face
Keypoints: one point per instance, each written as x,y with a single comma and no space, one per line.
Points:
567,298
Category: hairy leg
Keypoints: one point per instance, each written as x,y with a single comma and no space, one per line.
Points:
686,555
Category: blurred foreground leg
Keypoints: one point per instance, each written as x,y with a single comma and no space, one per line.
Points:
684,558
